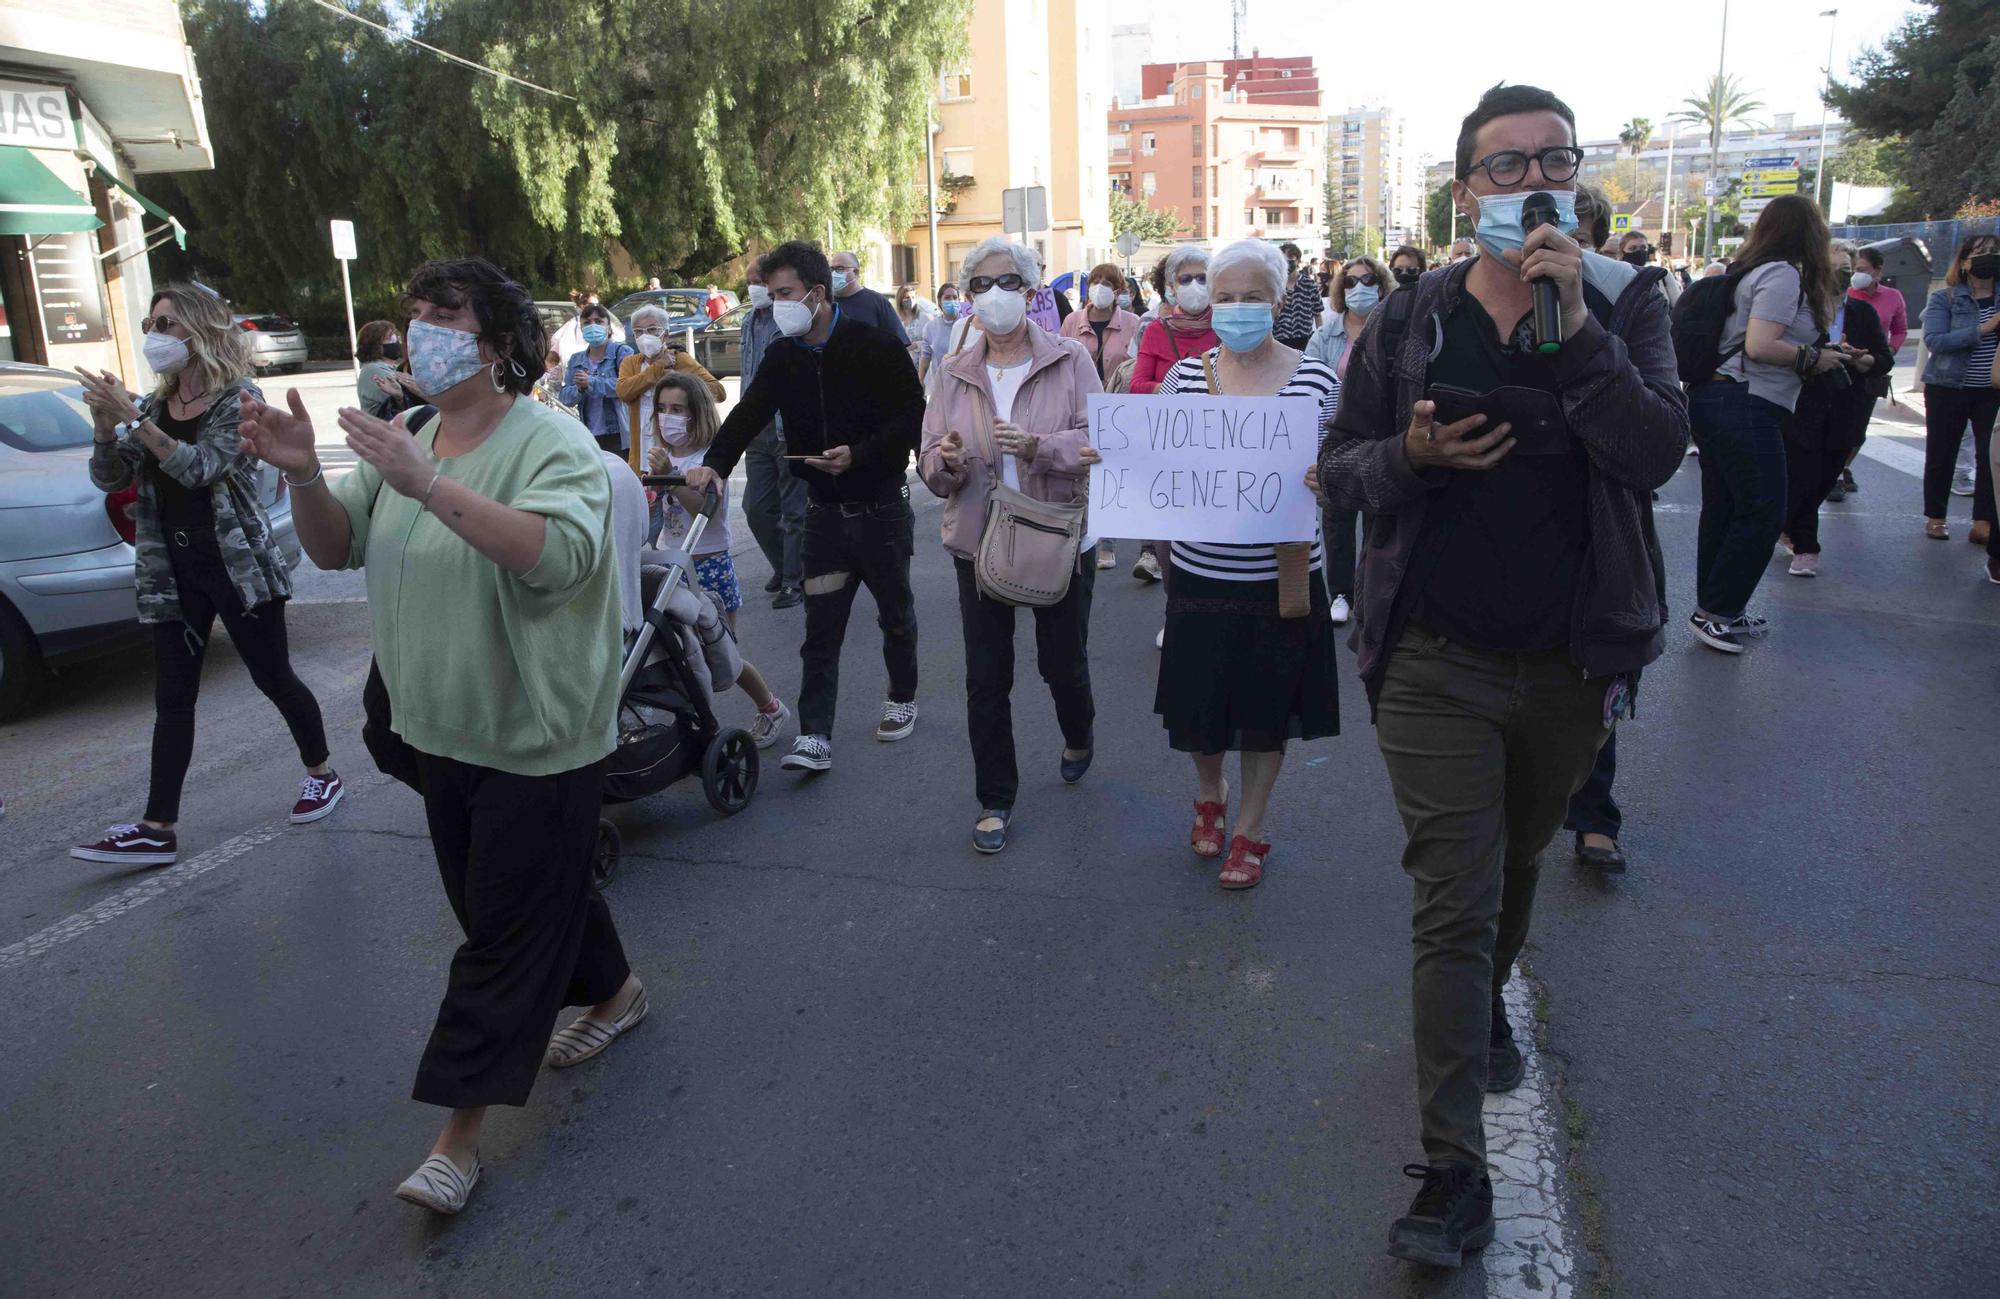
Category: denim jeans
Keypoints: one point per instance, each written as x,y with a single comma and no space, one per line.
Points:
1592,809
847,547
1484,751
1742,493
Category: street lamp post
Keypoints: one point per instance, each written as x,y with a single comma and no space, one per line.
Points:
1820,183
1715,134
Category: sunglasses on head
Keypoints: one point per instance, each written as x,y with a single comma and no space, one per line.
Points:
1010,282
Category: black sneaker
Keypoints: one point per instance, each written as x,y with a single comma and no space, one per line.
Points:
789,598
1837,492
809,753
1504,1066
774,585
1717,633
1451,1215
1847,483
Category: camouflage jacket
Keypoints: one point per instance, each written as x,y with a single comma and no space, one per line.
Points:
256,567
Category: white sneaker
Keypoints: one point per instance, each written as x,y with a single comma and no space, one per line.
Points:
898,720
809,753
1146,568
1961,484
764,727
1342,610
1804,566
1160,641
1106,558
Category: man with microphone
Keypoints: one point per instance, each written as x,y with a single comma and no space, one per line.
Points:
1512,589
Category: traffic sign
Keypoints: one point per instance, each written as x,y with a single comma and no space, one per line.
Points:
1025,209
1710,187
343,240
1751,209
1128,243
343,252
1778,161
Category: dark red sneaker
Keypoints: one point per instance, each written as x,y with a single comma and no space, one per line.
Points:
317,796
134,845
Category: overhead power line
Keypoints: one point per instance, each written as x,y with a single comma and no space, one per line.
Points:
447,55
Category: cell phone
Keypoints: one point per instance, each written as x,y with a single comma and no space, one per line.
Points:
802,457
1538,425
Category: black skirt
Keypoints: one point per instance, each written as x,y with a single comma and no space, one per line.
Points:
1235,677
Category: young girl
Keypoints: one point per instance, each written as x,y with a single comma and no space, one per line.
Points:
684,424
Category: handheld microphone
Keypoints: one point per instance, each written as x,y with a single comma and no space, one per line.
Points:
1539,209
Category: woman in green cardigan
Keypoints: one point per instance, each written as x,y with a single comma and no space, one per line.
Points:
491,526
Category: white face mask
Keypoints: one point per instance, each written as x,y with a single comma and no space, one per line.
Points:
650,345
165,354
1101,296
760,297
793,318
1000,311
1192,299
1863,280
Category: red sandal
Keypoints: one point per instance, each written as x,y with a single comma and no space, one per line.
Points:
1211,822
1240,850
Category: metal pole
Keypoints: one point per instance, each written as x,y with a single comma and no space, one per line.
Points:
347,291
930,186
1715,134
1819,181
1667,191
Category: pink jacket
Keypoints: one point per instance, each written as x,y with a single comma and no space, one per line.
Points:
1053,404
1160,347
1889,305
1119,336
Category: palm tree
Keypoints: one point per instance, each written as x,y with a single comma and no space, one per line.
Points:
1638,133
1724,101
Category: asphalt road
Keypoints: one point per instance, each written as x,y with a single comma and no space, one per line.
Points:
881,1065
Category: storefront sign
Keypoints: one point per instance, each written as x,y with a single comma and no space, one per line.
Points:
1202,468
68,287
36,116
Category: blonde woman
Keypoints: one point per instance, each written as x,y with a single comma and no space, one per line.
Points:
684,426
1357,287
205,551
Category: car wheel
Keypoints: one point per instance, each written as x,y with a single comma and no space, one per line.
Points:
20,665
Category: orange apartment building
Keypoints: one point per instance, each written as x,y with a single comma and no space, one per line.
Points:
1236,147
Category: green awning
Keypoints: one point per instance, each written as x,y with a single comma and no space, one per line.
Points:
34,201
180,232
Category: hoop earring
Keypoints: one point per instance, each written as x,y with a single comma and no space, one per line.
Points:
495,374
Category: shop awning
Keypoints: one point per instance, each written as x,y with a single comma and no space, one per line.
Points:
180,232
34,201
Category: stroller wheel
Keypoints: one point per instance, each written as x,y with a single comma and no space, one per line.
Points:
729,771
604,853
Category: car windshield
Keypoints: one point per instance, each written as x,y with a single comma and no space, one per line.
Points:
42,413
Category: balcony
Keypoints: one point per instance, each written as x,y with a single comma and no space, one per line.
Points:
1280,153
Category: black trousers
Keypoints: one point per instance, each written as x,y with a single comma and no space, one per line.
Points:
1820,435
848,547
1337,528
514,854
180,648
1946,412
1062,653
1592,809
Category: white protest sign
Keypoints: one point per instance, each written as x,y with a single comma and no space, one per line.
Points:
1200,468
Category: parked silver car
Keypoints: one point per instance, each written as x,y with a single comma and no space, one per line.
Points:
66,581
276,343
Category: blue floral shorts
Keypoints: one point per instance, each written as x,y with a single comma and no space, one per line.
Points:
717,573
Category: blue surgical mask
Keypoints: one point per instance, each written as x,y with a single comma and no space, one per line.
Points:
1499,226
840,281
440,358
1241,325
1361,299
950,308
595,334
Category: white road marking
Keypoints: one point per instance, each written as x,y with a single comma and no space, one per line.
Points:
1889,449
1531,1256
173,877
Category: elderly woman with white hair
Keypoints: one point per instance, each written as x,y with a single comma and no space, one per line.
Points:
1248,660
1181,330
1011,407
640,373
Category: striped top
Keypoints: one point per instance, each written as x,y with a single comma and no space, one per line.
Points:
1255,562
1979,371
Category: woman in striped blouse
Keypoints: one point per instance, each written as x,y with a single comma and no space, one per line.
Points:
1248,659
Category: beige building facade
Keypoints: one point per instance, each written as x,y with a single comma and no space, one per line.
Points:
1377,180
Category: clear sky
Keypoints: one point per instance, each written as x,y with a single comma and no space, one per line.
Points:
1620,63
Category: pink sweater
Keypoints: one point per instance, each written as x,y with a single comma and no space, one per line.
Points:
1160,347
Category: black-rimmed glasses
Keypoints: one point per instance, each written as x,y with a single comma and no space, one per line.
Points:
1510,166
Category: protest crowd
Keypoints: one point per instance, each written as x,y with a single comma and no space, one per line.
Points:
1461,490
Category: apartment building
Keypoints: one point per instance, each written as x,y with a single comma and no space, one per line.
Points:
96,97
1026,108
1377,178
1235,148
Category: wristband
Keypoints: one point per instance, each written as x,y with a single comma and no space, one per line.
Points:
318,473
425,503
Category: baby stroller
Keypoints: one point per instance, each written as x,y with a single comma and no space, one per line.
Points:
683,653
